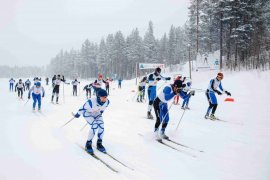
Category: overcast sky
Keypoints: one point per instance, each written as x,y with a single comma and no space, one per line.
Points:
33,31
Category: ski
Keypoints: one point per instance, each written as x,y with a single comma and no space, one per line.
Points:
167,145
217,119
172,141
100,160
112,157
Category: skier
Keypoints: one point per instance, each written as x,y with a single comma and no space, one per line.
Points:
92,111
141,89
88,88
184,93
161,107
11,84
53,79
56,87
36,90
152,88
119,83
98,84
107,85
47,81
20,88
75,84
211,97
27,84
176,98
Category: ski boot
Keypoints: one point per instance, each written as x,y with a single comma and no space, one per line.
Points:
183,108
149,115
213,117
157,137
206,116
100,147
56,100
164,136
88,147
187,108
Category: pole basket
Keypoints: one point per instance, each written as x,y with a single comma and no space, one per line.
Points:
229,99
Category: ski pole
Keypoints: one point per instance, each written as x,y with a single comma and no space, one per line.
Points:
26,102
68,121
180,119
196,89
83,127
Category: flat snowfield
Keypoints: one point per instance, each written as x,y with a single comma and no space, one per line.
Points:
34,146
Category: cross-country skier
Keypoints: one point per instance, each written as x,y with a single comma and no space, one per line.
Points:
20,88
211,97
11,84
87,89
161,107
92,111
141,89
47,81
120,83
98,83
36,90
152,88
27,84
176,98
107,85
56,87
75,87
184,93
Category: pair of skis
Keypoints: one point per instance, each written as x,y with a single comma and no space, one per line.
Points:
105,163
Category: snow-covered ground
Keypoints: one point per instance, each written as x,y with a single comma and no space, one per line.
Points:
33,146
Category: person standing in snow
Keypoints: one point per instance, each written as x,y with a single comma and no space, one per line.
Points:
36,91
27,84
92,111
152,88
20,88
119,83
75,86
211,97
107,85
141,89
11,84
47,81
161,107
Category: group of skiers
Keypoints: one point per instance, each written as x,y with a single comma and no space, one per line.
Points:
93,109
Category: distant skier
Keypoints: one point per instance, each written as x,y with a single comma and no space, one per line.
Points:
11,84
99,83
75,87
92,111
152,88
56,87
143,85
211,97
27,84
161,107
20,88
36,91
120,83
107,85
47,81
87,89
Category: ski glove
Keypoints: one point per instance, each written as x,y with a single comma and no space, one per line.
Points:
168,78
77,115
158,79
219,93
228,93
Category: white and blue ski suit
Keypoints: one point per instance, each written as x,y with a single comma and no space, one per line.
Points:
161,107
210,94
152,88
36,95
92,112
